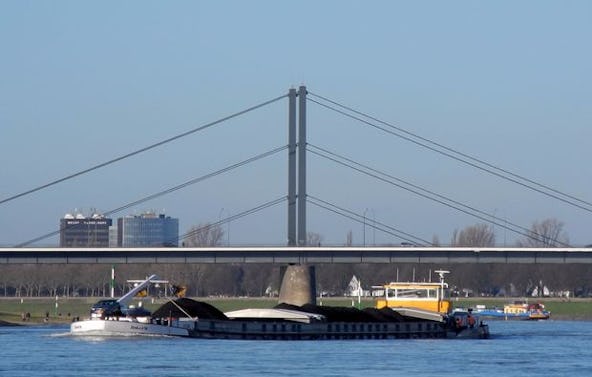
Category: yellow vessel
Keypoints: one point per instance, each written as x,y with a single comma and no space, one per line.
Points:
431,301
430,296
526,311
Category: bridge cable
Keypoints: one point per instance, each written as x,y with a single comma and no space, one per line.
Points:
351,162
356,217
169,190
237,216
452,156
446,148
487,217
438,198
144,149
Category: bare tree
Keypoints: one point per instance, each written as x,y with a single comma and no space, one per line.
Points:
333,278
51,279
435,240
313,239
349,239
257,278
7,277
204,235
480,235
222,279
547,233
201,277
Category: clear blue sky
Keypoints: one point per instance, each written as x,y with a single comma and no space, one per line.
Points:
83,82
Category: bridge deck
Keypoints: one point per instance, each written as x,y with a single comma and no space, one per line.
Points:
294,255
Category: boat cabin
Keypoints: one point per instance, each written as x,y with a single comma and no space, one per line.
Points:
430,296
426,296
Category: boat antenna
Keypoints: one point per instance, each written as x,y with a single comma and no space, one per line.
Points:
441,273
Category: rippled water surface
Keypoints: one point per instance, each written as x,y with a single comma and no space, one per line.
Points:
552,348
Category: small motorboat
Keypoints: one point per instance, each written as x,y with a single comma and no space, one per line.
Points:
516,310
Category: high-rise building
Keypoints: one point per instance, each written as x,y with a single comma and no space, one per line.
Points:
148,230
113,236
80,231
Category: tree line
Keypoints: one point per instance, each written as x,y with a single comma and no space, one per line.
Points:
545,233
256,280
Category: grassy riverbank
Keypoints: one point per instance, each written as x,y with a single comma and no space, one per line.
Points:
11,309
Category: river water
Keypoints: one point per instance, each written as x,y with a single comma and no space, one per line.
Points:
517,348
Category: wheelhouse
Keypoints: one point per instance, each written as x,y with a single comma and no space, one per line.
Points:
432,296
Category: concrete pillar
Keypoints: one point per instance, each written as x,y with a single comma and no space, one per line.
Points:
302,237
292,168
298,285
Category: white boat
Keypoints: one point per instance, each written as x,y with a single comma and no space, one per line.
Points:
122,327
114,317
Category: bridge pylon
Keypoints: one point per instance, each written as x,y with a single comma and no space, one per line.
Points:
298,282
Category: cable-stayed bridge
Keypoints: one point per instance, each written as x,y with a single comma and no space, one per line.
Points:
544,250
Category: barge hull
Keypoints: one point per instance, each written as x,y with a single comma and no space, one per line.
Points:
254,330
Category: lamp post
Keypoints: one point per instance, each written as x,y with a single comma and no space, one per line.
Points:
228,230
494,220
220,217
227,221
364,232
505,227
373,227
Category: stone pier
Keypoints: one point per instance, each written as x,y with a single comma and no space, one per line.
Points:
298,285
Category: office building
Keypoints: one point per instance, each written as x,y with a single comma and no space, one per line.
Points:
80,231
147,230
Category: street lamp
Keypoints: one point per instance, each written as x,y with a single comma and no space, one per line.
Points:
227,221
220,217
364,232
373,227
228,231
494,220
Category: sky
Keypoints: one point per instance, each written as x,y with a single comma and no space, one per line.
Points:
82,83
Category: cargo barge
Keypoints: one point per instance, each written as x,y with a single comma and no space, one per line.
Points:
185,317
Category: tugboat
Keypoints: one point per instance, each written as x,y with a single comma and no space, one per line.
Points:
431,301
